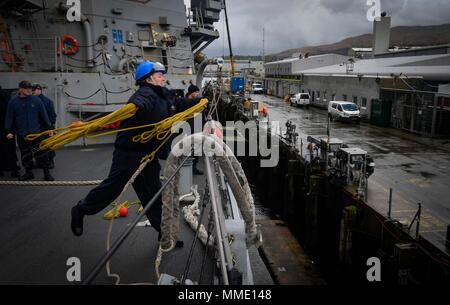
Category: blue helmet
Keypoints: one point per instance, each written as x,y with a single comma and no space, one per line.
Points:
147,68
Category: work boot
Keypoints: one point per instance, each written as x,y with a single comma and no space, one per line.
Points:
77,221
178,244
47,175
196,171
27,176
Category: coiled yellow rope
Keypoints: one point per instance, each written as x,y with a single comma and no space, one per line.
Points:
161,130
79,129
114,212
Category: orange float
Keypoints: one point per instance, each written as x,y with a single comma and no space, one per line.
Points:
69,45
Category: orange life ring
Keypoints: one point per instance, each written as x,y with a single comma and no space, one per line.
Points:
73,47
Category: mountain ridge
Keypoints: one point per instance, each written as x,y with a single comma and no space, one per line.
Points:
402,36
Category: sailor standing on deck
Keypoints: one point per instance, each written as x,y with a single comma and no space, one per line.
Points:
49,107
26,115
154,104
8,155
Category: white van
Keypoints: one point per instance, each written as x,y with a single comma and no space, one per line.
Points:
343,111
301,99
257,88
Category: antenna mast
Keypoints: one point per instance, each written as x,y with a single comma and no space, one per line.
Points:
263,53
229,39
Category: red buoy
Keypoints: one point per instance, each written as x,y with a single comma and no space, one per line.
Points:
123,212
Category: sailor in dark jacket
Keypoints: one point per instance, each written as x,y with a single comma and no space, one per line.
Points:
26,115
50,108
8,155
154,104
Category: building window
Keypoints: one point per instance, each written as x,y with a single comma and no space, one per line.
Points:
364,102
344,97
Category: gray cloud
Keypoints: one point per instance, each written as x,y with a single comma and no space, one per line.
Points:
300,23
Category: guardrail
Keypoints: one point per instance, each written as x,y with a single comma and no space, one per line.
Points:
30,54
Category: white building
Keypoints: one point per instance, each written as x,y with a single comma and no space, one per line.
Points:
360,53
409,84
294,66
402,83
284,77
241,67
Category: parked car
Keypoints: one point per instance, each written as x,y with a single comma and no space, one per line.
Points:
257,88
301,99
343,111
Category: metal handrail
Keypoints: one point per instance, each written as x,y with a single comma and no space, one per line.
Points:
38,54
416,219
219,234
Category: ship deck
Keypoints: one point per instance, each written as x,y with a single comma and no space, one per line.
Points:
37,241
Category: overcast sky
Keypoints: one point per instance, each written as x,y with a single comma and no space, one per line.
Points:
300,23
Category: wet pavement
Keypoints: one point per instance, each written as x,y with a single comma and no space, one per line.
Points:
416,168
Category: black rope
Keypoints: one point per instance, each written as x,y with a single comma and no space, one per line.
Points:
83,98
84,67
106,61
194,242
117,92
210,230
92,45
105,258
85,60
134,46
117,74
181,59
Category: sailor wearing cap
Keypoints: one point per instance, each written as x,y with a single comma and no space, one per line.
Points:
50,109
26,115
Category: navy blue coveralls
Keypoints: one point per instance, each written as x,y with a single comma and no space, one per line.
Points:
8,156
50,108
27,115
154,104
